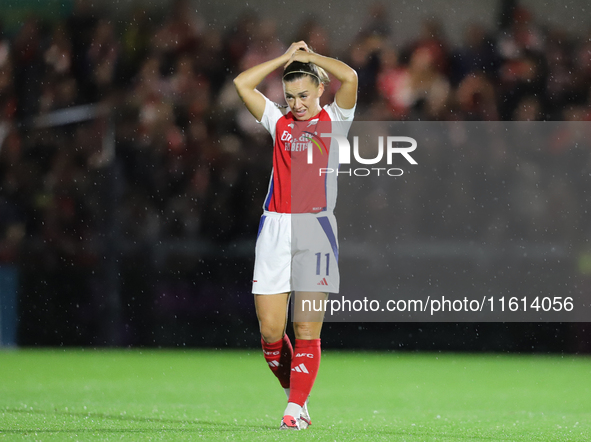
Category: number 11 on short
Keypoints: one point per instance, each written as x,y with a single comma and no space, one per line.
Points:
318,262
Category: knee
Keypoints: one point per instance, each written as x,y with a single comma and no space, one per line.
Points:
271,330
307,330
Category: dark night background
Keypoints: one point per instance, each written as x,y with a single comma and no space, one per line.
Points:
152,244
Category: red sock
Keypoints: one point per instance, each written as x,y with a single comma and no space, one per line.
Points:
304,367
279,355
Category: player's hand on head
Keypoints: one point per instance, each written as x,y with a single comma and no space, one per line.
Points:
299,46
301,56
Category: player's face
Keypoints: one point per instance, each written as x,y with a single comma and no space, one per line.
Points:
303,97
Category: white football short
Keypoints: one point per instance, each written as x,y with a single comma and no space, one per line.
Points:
296,252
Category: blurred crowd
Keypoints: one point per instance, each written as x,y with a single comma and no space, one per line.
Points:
191,163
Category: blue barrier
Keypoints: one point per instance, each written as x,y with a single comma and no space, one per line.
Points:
8,309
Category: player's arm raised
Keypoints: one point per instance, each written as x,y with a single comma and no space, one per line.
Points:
346,96
248,80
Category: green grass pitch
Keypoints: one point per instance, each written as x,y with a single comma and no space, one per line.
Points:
104,395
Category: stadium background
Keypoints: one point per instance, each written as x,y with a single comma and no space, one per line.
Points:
152,246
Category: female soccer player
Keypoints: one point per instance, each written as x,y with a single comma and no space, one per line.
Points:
296,249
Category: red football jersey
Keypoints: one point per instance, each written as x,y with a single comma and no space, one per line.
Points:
297,183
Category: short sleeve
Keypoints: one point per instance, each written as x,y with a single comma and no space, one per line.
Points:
273,112
338,113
